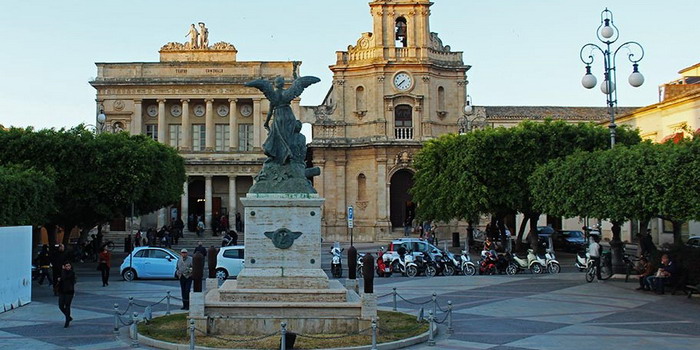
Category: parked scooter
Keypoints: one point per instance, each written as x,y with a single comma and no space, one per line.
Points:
468,267
551,262
487,264
582,259
383,264
533,263
336,261
425,264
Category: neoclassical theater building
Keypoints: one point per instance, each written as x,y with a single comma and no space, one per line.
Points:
394,88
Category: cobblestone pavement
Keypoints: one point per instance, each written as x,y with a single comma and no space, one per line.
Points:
490,312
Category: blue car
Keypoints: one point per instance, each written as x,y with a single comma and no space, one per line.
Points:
149,262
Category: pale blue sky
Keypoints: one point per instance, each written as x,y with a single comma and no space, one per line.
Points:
521,52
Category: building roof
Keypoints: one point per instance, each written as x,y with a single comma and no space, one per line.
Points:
554,112
697,65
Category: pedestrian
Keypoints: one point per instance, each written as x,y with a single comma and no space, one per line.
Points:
223,223
137,239
200,228
239,223
594,254
200,248
66,290
234,237
215,224
127,244
183,272
104,265
646,270
44,263
58,258
179,228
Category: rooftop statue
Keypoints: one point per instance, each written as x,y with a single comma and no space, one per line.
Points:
284,170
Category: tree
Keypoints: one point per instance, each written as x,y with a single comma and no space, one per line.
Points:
23,196
97,177
485,172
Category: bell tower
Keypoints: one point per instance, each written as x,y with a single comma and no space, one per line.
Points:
395,88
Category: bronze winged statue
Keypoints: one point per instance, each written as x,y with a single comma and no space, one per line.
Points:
285,146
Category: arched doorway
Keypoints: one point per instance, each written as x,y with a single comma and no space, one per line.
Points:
195,203
401,182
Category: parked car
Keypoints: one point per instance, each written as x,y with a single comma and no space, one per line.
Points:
149,262
570,240
416,245
694,241
230,261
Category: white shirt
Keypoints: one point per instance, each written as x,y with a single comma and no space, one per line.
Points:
594,250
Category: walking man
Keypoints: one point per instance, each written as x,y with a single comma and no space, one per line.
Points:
66,290
184,274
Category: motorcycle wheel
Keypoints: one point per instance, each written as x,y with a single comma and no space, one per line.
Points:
430,271
411,271
511,270
605,272
590,275
449,271
359,272
492,271
554,268
469,270
536,268
396,267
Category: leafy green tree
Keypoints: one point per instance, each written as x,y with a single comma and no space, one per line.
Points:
486,171
24,196
97,177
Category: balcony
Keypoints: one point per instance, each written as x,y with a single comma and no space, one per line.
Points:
403,133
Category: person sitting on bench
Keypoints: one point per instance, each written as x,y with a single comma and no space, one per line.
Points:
664,275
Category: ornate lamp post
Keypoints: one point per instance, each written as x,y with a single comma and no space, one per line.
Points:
469,120
608,34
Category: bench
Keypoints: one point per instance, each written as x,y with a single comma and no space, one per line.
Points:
690,289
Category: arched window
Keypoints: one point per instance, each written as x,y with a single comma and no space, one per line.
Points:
361,187
403,122
360,99
401,31
441,98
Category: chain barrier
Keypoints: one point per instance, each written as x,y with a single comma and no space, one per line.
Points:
444,319
237,340
152,305
414,303
440,308
400,331
125,324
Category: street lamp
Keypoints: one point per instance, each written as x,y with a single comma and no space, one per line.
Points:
467,123
608,34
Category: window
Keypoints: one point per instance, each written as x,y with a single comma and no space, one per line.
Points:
401,31
141,253
199,137
175,135
402,116
441,98
234,254
245,137
222,137
152,131
158,254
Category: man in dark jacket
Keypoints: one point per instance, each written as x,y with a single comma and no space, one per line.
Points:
200,249
58,258
66,290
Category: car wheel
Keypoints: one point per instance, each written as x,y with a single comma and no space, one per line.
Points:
554,268
221,274
411,271
129,275
536,268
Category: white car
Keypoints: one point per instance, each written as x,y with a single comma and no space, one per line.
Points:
149,262
230,261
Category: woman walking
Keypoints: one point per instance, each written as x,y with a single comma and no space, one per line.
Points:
105,264
44,262
66,290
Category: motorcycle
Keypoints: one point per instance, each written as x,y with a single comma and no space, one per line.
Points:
487,264
533,263
452,265
551,262
424,264
383,264
467,267
336,260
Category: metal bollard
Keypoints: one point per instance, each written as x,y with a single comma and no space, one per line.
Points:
116,320
434,304
374,334
449,317
431,341
283,341
167,304
148,313
192,334
394,309
134,330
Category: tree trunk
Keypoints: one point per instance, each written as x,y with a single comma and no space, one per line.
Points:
470,234
616,245
521,231
51,234
677,239
532,236
502,231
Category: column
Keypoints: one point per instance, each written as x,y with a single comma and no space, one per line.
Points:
185,203
232,200
340,179
137,118
233,125
257,123
186,126
319,180
162,126
382,202
211,135
207,200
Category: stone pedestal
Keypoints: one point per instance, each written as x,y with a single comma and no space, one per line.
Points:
352,285
211,283
369,306
282,280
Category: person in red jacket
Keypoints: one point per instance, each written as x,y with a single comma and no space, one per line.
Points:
104,265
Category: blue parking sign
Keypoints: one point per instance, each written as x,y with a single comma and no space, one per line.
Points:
351,216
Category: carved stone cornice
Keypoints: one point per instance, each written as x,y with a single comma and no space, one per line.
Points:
185,100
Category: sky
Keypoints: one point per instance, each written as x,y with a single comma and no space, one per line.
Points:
521,52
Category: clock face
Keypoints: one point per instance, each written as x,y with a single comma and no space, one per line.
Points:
176,110
222,110
199,110
152,110
403,81
246,110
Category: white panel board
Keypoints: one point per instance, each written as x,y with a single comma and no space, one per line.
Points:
15,267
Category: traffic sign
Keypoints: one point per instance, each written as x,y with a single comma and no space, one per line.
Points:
351,216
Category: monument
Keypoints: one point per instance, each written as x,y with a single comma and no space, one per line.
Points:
282,280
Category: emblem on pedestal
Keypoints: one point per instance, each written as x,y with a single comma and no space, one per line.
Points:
282,238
